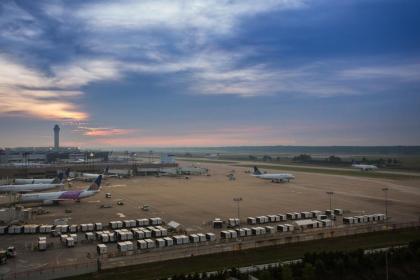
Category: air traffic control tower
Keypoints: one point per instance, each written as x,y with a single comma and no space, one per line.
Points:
56,137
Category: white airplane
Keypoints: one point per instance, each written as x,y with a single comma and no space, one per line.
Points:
365,167
31,187
38,181
49,198
87,177
274,177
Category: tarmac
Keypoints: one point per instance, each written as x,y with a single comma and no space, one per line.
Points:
194,201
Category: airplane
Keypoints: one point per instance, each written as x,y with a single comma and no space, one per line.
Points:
38,181
364,167
31,187
49,198
274,177
82,176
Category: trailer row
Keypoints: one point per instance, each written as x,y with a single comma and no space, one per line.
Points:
262,230
254,231
314,214
364,219
88,227
107,236
127,246
135,223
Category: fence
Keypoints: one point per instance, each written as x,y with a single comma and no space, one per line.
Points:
55,272
196,249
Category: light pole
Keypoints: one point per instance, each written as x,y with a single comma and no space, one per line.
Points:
92,159
385,190
238,200
330,195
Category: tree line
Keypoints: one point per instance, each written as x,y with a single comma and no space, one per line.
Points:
403,263
333,159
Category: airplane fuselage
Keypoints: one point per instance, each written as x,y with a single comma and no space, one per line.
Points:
365,167
277,178
51,197
27,188
33,181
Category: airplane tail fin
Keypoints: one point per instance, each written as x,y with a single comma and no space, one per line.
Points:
59,178
67,173
96,185
257,171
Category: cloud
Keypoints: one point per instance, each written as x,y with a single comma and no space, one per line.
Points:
28,92
200,15
85,71
404,72
104,132
220,136
160,37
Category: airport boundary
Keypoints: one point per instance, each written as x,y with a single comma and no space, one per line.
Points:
191,250
115,261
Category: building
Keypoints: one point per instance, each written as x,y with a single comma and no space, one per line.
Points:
167,159
56,137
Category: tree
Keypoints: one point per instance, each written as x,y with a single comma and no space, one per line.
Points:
267,158
286,273
302,158
251,157
308,272
334,159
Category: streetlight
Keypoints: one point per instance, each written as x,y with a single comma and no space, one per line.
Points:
92,159
238,200
385,190
330,194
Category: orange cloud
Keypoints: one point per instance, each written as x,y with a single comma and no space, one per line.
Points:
35,104
220,137
104,132
24,91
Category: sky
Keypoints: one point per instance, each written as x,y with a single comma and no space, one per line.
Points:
168,73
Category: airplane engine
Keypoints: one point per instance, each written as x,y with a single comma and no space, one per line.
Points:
48,202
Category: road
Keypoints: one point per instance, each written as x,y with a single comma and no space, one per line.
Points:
258,163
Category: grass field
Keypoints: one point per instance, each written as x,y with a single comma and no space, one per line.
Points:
207,160
337,172
256,256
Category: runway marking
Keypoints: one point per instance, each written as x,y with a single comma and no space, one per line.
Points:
121,215
94,201
116,186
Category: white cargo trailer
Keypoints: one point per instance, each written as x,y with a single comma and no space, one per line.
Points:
194,238
42,245
150,243
241,232
233,233
306,215
89,236
101,249
178,239
281,228
70,242
168,241
251,220
202,237
141,244
210,236
270,229
224,234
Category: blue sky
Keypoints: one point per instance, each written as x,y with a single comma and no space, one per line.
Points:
210,73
